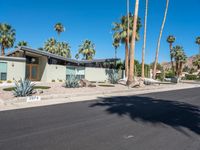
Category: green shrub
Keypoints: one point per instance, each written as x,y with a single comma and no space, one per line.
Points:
191,77
60,80
23,88
169,74
53,80
72,82
1,82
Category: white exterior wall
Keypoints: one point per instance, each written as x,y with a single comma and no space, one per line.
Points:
97,74
55,72
15,67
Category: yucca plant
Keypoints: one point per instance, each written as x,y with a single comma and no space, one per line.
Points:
72,82
23,88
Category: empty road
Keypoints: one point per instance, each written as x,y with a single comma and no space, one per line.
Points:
157,121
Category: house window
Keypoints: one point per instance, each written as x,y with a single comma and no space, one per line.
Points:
3,71
79,72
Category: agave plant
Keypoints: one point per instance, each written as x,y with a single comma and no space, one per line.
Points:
72,82
114,78
23,88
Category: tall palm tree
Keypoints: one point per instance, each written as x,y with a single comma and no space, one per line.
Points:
87,49
63,49
50,45
171,39
180,58
159,39
198,42
121,33
7,37
21,43
196,61
59,28
116,44
144,43
127,59
132,47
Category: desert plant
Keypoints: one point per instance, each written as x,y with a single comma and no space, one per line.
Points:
113,77
23,88
191,77
72,82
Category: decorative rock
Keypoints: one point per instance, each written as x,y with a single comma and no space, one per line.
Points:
86,83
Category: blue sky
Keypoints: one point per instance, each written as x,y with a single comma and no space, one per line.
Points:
89,19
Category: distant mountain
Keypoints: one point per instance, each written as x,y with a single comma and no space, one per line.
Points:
189,64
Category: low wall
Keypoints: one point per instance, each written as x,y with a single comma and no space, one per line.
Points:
15,67
55,72
100,74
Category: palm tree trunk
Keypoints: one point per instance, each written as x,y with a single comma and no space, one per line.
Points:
2,51
172,63
199,49
177,64
132,48
115,57
181,68
144,44
159,39
127,42
126,59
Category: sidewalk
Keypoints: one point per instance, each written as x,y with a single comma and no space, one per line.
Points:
85,95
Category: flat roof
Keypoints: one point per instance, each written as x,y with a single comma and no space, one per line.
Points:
50,55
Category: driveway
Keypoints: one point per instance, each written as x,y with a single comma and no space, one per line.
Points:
158,121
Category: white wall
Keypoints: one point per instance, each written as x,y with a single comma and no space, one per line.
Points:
15,67
98,74
55,72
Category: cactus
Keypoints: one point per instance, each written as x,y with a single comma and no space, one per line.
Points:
72,82
23,88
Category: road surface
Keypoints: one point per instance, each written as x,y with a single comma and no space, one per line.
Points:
158,121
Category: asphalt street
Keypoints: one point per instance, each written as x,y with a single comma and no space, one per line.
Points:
157,121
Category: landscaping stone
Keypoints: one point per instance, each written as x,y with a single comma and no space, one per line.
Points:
86,83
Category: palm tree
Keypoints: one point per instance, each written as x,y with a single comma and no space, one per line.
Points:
171,39
87,49
63,49
21,43
144,43
116,44
132,47
198,42
59,28
121,34
196,61
159,39
180,58
50,45
7,37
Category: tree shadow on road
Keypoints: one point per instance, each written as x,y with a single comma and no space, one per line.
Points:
172,113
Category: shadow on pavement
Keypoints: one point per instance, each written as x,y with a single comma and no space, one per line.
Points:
146,109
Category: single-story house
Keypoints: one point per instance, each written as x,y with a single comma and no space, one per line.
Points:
43,66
